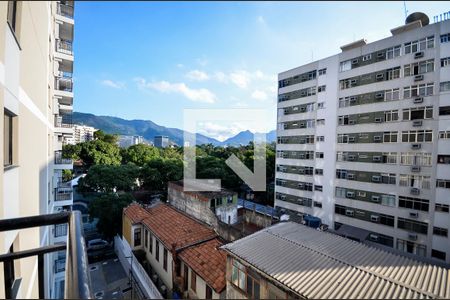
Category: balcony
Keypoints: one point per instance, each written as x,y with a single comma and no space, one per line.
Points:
77,284
63,82
60,160
64,121
63,195
60,265
65,10
65,47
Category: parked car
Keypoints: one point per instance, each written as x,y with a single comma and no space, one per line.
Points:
97,244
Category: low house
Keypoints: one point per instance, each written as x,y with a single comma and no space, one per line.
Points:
182,253
291,260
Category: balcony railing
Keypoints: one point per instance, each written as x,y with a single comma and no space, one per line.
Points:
65,10
64,121
64,46
65,196
77,280
64,82
60,265
60,160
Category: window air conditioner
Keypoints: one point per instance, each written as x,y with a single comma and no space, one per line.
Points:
374,218
351,122
351,139
415,191
416,146
414,214
373,237
351,176
419,54
376,158
418,78
349,212
417,123
376,178
378,120
418,100
412,236
415,169
375,198
377,138
350,195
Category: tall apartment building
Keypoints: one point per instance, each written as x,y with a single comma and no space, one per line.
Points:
36,63
81,133
364,140
161,141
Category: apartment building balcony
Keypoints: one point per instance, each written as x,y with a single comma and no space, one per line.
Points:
64,49
65,9
63,124
60,160
77,284
63,82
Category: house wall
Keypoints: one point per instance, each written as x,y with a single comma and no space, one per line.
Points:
200,287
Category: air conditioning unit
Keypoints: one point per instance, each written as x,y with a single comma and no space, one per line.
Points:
414,214
380,54
351,157
351,176
418,78
376,158
302,125
351,139
351,122
353,81
419,54
378,120
415,169
350,195
379,76
412,236
282,197
303,108
376,178
352,99
373,237
418,100
375,198
349,212
355,61
379,96
377,138
374,218
302,93
417,123
416,146
415,191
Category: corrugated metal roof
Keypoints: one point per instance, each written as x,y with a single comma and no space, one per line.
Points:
323,265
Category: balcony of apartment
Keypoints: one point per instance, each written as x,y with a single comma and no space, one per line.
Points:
62,163
64,48
65,9
77,284
63,123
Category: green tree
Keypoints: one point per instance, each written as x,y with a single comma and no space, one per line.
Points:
100,135
108,209
107,179
139,154
71,151
159,171
99,152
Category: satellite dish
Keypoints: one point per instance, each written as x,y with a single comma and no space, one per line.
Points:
418,16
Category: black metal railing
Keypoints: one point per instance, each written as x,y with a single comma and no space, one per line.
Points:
64,46
77,281
65,10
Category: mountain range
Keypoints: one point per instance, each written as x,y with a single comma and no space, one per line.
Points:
149,129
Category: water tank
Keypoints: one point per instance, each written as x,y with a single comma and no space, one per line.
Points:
418,16
312,221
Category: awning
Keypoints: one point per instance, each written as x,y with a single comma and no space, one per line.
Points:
352,232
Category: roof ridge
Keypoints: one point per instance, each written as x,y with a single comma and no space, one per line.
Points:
363,269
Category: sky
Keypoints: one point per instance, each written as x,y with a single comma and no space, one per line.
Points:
153,60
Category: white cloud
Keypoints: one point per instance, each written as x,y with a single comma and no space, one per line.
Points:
113,84
240,78
219,131
259,95
197,75
196,95
220,77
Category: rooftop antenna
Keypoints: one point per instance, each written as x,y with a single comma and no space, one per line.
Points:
406,11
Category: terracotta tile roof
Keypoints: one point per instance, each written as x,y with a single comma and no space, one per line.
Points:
135,213
202,195
174,228
208,262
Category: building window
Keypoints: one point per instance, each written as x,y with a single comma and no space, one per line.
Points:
12,14
165,259
444,111
417,136
145,238
425,89
321,88
444,134
413,203
157,250
418,113
367,57
438,254
151,242
393,52
208,292
252,288
440,231
319,154
419,68
318,188
411,247
322,71
445,86
445,38
193,280
445,62
444,159
411,225
442,208
443,183
320,105
320,138
137,237
319,171
8,138
419,45
318,204
320,122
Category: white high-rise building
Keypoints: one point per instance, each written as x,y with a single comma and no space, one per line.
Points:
81,133
364,140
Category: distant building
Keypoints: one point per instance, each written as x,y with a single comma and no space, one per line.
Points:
161,141
182,252
126,141
292,261
81,133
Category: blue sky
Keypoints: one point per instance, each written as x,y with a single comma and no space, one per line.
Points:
152,60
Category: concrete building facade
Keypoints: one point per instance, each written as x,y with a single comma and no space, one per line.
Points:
161,141
81,133
363,140
36,61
